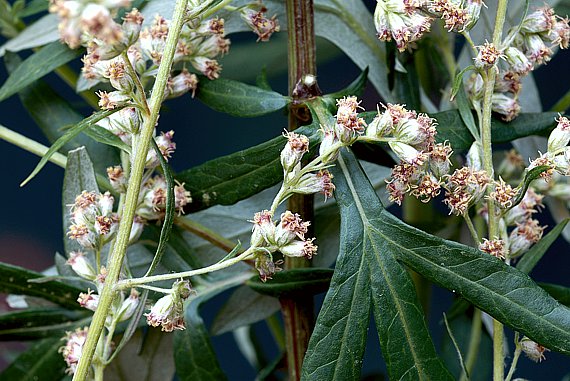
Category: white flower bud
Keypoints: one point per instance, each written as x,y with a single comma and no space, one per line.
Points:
473,11
533,350
380,126
329,140
108,101
297,248
168,311
506,106
407,153
539,21
73,348
475,157
320,182
88,300
81,265
183,83
128,306
263,231
291,155
560,136
518,61
408,131
487,57
132,26
209,67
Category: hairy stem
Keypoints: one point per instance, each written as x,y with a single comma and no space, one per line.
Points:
474,342
489,79
116,259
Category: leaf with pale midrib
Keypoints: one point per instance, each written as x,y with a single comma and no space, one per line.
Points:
368,277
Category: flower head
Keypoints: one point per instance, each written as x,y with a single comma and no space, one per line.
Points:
168,311
73,348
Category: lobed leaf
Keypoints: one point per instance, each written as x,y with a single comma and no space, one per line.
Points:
15,280
368,275
239,99
47,59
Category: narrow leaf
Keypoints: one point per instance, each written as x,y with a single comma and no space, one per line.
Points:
41,362
529,177
464,107
169,210
14,280
40,33
288,283
47,59
193,352
456,346
31,324
244,307
70,134
79,176
560,293
234,177
536,252
458,81
238,99
104,136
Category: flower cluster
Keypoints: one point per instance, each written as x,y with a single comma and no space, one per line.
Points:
71,351
168,311
406,21
411,136
532,349
93,222
524,49
286,236
82,20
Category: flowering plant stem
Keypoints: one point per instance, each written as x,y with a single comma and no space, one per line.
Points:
116,258
489,80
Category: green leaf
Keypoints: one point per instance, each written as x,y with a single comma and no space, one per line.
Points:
461,328
458,81
40,33
39,323
239,99
464,107
47,59
41,362
288,283
367,274
502,291
104,136
560,293
51,113
193,352
14,280
169,210
147,356
231,178
69,134
529,177
536,252
79,176
244,307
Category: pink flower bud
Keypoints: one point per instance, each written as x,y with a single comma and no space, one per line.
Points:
297,248
291,155
259,24
209,67
506,106
168,311
73,348
263,231
560,136
88,300
487,57
128,306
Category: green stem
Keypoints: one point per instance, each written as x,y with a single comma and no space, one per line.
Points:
115,261
471,228
474,342
130,283
563,104
221,5
489,80
277,331
518,351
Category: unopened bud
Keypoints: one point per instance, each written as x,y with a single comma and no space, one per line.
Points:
518,61
560,136
291,155
81,265
533,350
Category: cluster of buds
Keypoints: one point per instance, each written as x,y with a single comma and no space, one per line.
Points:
82,20
401,21
168,311
411,136
256,20
71,351
464,188
152,199
299,179
406,21
526,48
458,15
286,236
93,220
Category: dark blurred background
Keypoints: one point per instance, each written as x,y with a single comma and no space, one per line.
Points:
30,219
